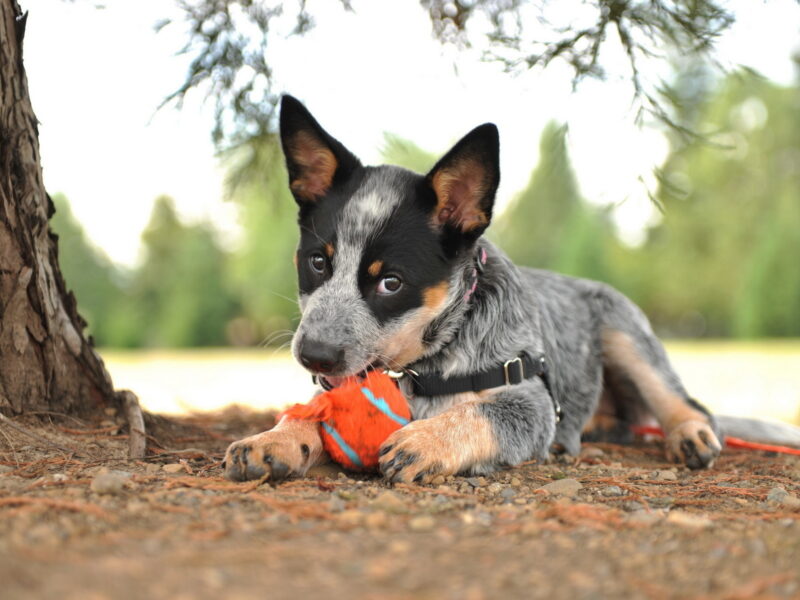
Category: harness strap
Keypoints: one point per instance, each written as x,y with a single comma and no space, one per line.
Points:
511,372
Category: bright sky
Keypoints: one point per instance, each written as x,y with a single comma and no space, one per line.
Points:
97,75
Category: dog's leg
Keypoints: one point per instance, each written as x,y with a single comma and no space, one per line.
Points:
638,358
289,448
507,427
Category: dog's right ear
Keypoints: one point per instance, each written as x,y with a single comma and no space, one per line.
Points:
315,160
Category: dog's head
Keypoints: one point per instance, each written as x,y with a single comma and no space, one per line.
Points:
382,250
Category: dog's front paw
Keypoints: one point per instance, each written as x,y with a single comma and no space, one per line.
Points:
416,453
272,454
694,444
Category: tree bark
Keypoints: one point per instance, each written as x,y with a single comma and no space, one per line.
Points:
46,362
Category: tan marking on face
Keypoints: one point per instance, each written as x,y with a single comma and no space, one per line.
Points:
329,250
459,189
375,268
317,165
446,444
405,345
434,296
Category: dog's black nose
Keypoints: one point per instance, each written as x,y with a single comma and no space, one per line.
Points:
320,357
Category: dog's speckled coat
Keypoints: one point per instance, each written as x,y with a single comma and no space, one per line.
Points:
361,227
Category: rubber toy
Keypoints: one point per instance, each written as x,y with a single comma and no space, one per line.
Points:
356,417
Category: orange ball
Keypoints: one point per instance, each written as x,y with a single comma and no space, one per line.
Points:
356,418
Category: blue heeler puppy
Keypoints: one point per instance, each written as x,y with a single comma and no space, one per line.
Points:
500,363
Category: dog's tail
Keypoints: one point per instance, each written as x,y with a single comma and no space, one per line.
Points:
758,431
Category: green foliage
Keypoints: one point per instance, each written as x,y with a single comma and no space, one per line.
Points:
263,273
404,153
180,291
549,225
89,273
177,297
723,261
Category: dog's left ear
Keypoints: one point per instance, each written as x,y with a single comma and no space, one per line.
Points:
465,181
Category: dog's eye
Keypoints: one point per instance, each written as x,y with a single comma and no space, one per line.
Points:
317,262
389,285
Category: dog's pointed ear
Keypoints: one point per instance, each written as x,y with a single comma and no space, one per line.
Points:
465,181
315,160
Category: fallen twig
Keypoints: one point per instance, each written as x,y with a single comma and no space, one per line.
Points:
137,442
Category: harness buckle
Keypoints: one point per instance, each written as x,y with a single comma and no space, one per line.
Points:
398,375
508,363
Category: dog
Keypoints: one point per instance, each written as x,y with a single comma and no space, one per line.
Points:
500,363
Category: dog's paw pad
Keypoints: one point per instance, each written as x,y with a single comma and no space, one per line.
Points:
256,458
694,444
409,457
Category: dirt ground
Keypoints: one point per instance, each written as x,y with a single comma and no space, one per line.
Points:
84,522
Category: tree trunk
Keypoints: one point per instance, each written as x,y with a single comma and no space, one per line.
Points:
46,363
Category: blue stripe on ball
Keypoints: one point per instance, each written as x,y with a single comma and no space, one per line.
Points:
351,454
383,406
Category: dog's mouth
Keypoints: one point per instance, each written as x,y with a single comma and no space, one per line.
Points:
329,382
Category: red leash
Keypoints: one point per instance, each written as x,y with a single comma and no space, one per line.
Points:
731,442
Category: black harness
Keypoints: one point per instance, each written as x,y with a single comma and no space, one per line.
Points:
511,372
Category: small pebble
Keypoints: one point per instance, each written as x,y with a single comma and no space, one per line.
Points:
507,493
173,468
642,517
422,523
515,482
592,452
376,520
494,488
438,480
351,517
781,497
400,547
563,487
667,475
390,502
109,483
612,490
688,520
336,504
476,518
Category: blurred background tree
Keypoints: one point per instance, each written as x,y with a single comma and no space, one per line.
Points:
262,268
98,284
549,224
721,260
180,293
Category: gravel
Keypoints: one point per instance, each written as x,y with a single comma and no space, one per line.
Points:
112,482
563,487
